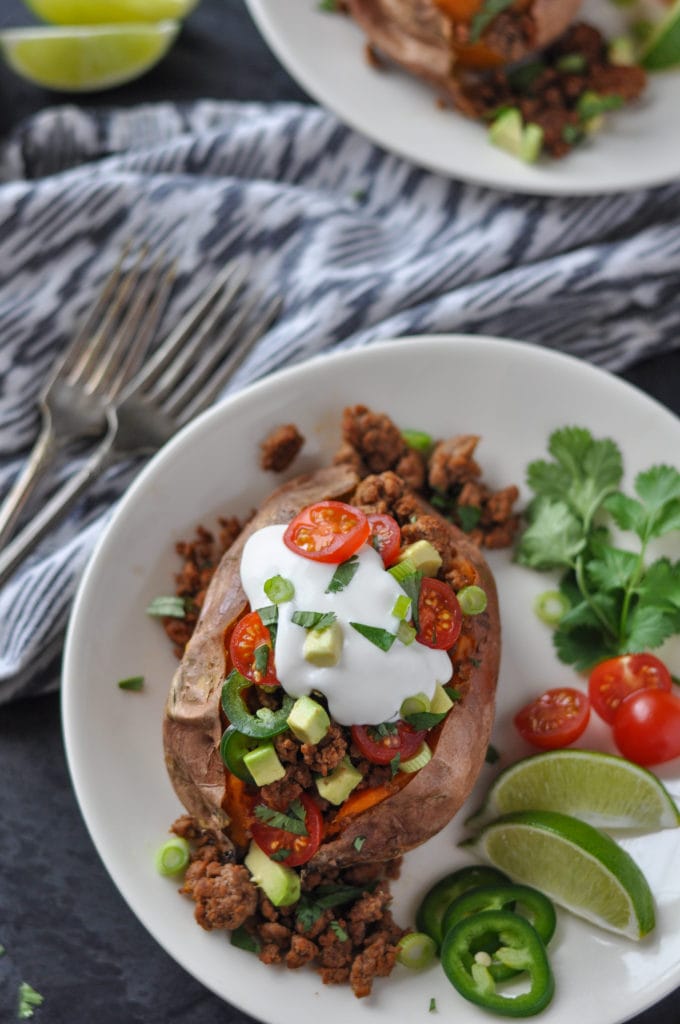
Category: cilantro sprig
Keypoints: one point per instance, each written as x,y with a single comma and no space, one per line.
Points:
619,601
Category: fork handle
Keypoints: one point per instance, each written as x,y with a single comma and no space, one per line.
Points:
56,507
43,455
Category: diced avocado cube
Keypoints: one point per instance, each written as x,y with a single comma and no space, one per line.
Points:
441,702
337,786
308,720
506,131
264,765
279,882
323,646
621,51
423,555
532,143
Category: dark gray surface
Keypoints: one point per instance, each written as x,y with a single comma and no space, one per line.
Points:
65,928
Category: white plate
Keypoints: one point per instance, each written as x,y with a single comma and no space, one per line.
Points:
513,395
325,54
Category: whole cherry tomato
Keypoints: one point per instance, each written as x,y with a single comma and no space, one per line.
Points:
299,848
250,635
647,727
385,536
380,743
439,615
329,531
555,719
612,681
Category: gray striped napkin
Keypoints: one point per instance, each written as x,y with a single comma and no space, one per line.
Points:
362,245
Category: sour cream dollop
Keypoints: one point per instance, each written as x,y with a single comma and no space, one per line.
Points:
367,685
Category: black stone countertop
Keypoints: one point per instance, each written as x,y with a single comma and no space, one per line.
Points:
64,926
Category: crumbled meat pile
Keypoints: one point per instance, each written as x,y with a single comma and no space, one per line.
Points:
550,91
355,939
280,447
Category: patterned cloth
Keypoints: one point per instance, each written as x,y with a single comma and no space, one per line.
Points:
361,244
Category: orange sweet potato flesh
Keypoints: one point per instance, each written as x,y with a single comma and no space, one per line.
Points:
412,809
192,727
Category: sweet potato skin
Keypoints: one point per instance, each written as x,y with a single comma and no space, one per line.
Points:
191,727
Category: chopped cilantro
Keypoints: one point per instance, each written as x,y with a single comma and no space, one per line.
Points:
314,620
492,754
343,575
261,659
489,10
131,683
433,1005
294,821
339,931
358,842
168,607
425,719
382,638
468,516
395,763
28,1000
242,939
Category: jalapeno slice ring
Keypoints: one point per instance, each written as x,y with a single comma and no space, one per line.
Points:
437,900
264,722
521,899
518,946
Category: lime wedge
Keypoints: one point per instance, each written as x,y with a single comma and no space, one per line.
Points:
106,12
602,789
662,48
86,59
576,865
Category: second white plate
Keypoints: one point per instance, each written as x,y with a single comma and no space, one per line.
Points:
325,53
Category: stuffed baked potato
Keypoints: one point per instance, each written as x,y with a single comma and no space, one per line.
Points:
391,807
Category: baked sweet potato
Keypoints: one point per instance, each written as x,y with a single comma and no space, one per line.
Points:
390,819
431,38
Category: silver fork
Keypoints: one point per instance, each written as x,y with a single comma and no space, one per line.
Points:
99,362
181,378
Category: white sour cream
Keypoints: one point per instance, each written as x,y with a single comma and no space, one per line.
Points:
367,685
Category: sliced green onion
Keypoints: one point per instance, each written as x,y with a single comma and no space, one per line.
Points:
131,683
414,705
551,606
422,756
278,589
405,633
472,600
173,856
416,950
418,439
401,607
402,570
169,607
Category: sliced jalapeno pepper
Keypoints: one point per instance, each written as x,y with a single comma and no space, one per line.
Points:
264,722
430,913
518,946
521,899
233,746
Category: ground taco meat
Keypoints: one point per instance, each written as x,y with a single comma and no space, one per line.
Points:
342,925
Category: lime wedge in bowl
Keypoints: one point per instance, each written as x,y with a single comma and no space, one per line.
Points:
106,12
79,59
662,48
602,789
576,865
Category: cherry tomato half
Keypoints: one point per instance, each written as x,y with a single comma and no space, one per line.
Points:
385,537
329,531
439,615
615,679
274,840
555,719
249,634
647,727
380,744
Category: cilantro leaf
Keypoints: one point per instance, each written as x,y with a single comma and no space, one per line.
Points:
291,822
613,569
554,537
660,585
343,575
648,627
314,620
425,719
489,10
242,939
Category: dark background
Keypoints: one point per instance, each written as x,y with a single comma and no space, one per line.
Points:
64,927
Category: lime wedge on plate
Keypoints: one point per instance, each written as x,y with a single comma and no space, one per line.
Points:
85,59
106,12
602,789
662,48
576,865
